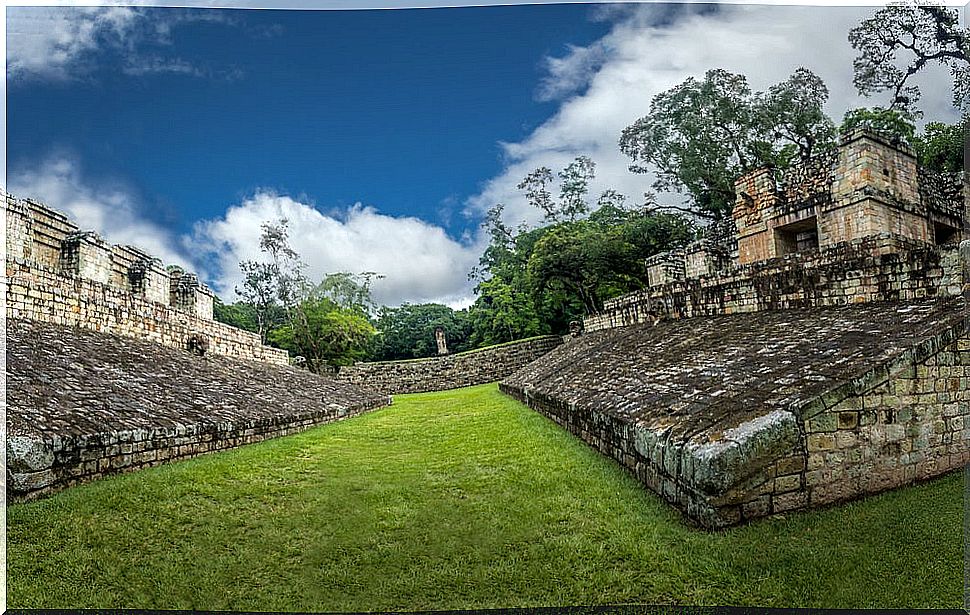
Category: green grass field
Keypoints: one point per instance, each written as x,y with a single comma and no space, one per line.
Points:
459,499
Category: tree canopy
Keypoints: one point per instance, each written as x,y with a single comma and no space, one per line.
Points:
894,124
701,135
535,281
941,146
408,331
914,35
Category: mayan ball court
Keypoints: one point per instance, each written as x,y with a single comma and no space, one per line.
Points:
499,308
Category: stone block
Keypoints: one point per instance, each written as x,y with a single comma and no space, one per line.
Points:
758,507
848,420
825,422
821,442
789,501
788,483
28,454
29,482
791,465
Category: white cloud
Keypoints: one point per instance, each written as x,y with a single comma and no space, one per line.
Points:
62,43
419,261
110,210
571,72
608,84
52,42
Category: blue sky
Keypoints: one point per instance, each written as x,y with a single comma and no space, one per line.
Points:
400,109
383,135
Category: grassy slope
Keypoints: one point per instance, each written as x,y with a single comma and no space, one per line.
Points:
457,499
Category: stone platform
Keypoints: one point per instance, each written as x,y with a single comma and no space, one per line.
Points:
83,404
734,417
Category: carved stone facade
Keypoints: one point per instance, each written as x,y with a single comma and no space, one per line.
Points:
57,273
867,187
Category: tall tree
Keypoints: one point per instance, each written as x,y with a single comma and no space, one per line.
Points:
580,257
536,188
260,289
575,178
701,135
697,138
604,255
279,283
408,331
916,34
573,187
793,111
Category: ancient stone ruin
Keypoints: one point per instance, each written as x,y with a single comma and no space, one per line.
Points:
449,371
813,349
114,363
60,274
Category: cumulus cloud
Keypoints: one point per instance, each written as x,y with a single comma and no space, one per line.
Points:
110,210
419,261
608,84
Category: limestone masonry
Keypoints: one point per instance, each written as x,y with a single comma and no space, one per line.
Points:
83,404
114,363
59,274
448,371
811,349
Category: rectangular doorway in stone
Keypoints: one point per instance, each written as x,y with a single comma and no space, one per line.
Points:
796,237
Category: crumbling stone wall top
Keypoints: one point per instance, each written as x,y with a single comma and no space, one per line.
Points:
39,235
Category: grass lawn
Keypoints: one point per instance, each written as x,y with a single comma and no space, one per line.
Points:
459,499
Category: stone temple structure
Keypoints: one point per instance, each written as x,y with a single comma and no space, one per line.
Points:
812,349
114,363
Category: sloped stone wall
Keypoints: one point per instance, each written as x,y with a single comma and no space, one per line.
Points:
912,426
83,404
734,417
449,371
